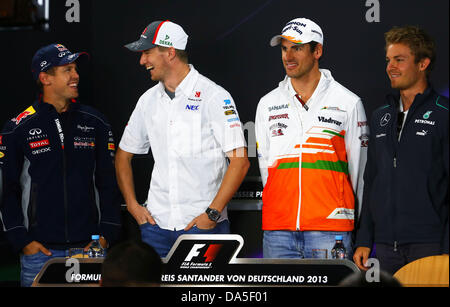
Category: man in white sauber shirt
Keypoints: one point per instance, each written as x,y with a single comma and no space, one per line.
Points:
191,126
312,136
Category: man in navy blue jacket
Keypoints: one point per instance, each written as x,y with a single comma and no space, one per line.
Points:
405,203
57,161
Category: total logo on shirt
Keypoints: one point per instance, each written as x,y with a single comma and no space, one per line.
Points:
38,144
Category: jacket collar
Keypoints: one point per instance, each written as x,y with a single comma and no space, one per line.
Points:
393,98
325,80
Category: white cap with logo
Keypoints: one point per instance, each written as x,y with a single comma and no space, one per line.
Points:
160,33
299,31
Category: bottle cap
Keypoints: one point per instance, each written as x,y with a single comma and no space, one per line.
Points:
338,237
95,237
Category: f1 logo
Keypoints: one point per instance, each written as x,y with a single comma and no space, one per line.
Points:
194,251
210,253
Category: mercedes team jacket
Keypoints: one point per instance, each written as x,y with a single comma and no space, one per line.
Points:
311,158
406,182
58,176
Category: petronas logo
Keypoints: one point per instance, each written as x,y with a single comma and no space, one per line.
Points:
427,115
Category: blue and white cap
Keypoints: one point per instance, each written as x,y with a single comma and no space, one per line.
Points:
50,56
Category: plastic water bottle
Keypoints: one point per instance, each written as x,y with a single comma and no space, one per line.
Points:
96,250
338,251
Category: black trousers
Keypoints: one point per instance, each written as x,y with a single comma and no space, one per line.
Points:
392,260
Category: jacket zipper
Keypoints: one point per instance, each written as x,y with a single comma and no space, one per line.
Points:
66,217
395,173
299,187
298,110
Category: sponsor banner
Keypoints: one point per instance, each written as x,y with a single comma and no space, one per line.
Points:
209,260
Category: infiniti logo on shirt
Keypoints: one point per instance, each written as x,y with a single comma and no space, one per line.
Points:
35,131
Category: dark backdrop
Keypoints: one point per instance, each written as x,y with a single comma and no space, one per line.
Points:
228,43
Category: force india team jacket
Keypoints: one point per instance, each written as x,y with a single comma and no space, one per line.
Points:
311,158
59,183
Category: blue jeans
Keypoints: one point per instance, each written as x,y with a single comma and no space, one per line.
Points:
162,240
299,244
31,265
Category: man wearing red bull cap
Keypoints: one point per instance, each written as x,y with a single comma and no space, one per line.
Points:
311,136
57,166
191,126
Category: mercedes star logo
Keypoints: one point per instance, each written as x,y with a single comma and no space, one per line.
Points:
385,119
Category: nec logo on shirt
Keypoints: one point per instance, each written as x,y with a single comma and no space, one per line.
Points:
192,107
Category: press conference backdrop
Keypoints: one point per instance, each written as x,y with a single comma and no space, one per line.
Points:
228,43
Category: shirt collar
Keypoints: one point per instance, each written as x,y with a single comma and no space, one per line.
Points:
186,86
325,79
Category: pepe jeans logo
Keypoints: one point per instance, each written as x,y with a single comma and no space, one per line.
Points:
85,128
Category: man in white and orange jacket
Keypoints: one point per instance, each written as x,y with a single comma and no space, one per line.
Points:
312,136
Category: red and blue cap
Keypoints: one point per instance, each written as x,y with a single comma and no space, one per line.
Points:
50,56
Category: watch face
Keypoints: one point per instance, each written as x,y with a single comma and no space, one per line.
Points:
213,214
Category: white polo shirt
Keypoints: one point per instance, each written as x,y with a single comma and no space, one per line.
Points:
188,136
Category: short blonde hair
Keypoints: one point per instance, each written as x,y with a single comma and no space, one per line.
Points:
421,44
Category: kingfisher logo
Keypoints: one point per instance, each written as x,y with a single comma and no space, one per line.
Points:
201,256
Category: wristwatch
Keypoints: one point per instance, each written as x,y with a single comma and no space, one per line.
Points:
213,214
